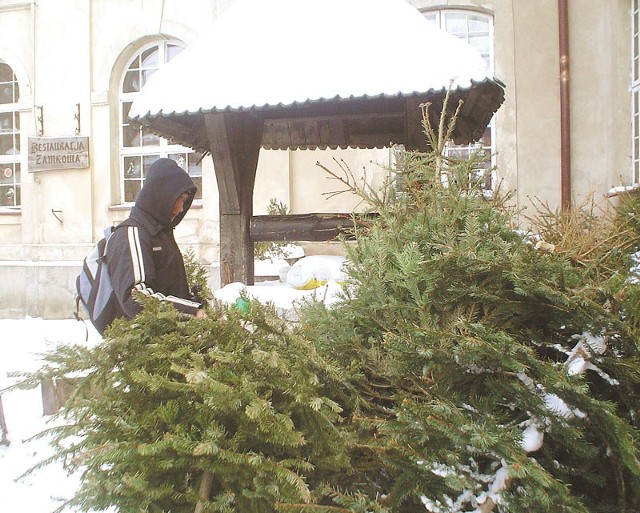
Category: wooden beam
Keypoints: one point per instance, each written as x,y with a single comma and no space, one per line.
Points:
336,117
337,133
234,140
485,98
306,227
362,132
182,130
375,140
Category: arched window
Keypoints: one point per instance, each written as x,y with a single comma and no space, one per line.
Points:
139,148
476,29
9,138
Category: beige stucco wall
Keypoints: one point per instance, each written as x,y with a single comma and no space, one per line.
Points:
68,52
526,41
600,97
297,178
64,53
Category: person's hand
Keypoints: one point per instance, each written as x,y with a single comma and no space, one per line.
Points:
200,314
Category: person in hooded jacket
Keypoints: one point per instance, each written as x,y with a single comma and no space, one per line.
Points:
142,253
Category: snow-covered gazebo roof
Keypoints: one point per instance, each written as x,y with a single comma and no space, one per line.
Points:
301,74
351,64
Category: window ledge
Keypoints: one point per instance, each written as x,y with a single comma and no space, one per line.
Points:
8,211
7,5
623,189
127,206
120,206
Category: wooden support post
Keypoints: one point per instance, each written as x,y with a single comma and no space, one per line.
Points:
55,392
50,398
234,139
3,425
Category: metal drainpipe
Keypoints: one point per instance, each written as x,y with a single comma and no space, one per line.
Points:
565,121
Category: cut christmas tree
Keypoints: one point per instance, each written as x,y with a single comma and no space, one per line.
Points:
488,371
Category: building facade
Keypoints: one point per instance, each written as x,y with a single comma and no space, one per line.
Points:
71,164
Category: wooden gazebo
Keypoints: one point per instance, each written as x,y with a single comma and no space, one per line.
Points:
308,74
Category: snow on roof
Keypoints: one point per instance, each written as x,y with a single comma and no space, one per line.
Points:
261,53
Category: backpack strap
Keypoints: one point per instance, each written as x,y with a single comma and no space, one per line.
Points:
107,232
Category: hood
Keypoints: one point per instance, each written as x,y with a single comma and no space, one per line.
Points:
163,185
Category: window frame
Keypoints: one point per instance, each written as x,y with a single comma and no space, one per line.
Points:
147,153
12,162
438,15
635,92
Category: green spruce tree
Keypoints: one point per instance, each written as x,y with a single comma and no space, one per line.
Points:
175,414
487,372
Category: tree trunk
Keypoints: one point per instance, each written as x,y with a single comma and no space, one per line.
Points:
205,490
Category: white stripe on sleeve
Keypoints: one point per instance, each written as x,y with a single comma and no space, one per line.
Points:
136,255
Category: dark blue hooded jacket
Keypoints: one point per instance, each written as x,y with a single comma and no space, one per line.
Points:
142,253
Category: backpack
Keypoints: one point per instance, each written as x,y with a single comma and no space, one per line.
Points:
93,286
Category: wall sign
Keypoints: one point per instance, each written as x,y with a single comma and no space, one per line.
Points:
46,153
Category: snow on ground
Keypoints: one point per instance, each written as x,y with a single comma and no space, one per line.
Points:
21,342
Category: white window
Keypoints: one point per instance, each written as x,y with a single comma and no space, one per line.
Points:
635,92
476,29
139,148
9,139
